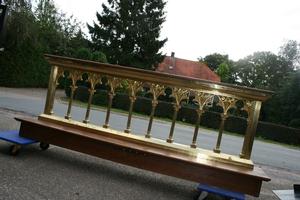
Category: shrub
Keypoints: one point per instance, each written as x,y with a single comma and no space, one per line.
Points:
100,98
83,53
295,123
98,56
211,120
236,125
23,67
143,105
82,94
164,110
121,101
278,133
187,114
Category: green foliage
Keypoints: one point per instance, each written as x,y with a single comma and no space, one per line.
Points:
83,53
100,98
98,56
222,65
224,72
82,94
30,34
295,123
128,32
287,101
278,133
21,68
214,60
209,119
58,34
262,70
22,63
291,52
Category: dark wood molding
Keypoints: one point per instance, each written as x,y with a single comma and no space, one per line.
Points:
235,178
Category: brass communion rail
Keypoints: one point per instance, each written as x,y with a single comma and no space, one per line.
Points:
203,92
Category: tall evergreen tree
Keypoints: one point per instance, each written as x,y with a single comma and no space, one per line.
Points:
128,32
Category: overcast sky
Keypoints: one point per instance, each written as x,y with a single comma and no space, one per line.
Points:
197,28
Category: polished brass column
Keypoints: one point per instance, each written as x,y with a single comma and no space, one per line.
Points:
134,87
199,114
128,129
75,76
93,79
202,99
110,98
55,73
176,109
218,144
226,103
253,116
113,84
179,94
156,91
154,104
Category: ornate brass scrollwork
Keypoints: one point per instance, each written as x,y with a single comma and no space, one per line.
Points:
179,94
60,73
113,83
156,91
74,76
93,79
133,88
202,99
226,103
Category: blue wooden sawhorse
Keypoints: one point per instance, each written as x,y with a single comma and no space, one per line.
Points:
18,141
218,191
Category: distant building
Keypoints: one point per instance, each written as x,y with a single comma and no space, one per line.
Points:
195,69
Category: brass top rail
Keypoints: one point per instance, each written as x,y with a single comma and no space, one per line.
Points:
158,77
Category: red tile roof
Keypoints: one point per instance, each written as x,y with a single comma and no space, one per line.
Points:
187,68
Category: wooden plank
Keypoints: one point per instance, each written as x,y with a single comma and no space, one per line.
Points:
162,161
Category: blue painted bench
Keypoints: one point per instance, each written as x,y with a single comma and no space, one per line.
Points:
218,191
18,141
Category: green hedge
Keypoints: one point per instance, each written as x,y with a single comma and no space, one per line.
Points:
19,68
278,133
187,113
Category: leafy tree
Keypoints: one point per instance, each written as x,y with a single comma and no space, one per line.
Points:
58,34
262,70
221,64
99,57
224,72
83,53
291,52
128,32
289,97
29,34
22,62
214,60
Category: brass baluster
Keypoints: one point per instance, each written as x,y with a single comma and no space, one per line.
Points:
134,87
202,99
56,73
253,109
93,79
113,84
75,76
156,91
226,103
179,94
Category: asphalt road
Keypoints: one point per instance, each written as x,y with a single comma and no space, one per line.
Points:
263,153
59,173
